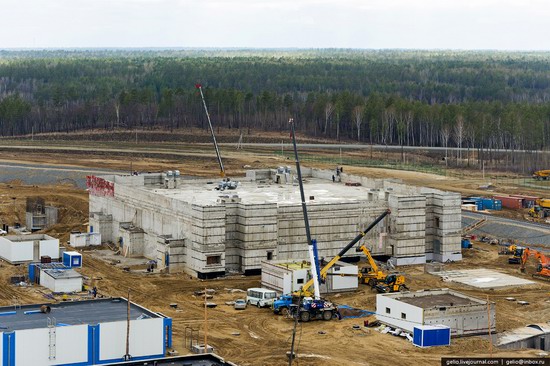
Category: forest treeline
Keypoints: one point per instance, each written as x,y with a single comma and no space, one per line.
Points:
479,100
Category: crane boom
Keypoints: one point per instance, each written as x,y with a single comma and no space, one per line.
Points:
315,278
222,169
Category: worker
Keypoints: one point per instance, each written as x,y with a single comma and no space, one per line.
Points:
333,179
338,315
94,292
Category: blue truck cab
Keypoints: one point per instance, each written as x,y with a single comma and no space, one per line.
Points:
282,303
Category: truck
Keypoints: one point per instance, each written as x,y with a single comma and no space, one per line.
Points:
542,174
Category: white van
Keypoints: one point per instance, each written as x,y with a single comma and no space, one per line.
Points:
260,296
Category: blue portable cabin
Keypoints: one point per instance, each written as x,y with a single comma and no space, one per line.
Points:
431,335
497,205
72,259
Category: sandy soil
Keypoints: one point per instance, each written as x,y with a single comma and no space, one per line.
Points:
263,337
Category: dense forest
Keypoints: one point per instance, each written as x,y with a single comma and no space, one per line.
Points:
478,100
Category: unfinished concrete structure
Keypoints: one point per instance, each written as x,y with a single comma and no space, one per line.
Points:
38,216
28,248
536,336
465,315
188,225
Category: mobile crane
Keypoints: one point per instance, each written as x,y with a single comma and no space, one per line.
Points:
543,267
225,183
308,308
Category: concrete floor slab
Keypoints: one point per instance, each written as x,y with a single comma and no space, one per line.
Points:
254,192
483,278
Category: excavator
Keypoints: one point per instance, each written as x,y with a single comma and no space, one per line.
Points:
377,278
516,251
543,267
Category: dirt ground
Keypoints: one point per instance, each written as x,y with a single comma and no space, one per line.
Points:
256,336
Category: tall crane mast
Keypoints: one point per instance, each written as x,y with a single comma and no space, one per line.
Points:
222,169
314,271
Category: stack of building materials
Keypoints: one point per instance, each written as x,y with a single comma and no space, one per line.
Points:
28,248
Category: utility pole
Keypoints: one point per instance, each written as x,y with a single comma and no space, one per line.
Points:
127,356
205,324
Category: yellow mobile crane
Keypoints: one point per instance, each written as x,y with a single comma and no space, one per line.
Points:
377,278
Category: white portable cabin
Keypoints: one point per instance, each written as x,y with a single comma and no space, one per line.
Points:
61,280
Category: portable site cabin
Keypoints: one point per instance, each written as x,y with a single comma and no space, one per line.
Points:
72,259
431,335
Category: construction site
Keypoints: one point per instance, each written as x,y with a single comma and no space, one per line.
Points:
377,256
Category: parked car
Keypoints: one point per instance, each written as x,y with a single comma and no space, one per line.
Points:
240,304
3,232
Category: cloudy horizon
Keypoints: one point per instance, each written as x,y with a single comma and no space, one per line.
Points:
362,24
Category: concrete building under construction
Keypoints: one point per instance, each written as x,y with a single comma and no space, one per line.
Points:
188,225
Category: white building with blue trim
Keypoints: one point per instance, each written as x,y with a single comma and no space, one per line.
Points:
90,332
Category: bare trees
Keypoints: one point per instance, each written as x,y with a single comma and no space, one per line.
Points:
358,119
458,135
329,108
445,134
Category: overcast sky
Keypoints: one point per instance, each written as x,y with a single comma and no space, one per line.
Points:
424,24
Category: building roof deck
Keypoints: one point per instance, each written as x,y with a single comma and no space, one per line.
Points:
437,300
322,191
71,313
60,274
